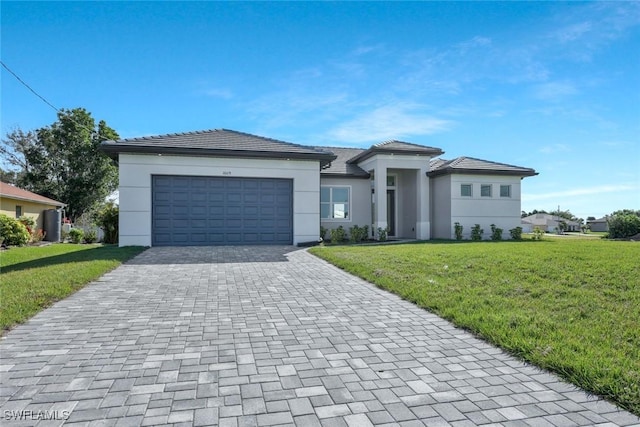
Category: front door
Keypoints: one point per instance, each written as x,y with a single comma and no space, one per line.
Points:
391,211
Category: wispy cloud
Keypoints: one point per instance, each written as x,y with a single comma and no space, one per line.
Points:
556,148
586,191
554,91
388,122
218,93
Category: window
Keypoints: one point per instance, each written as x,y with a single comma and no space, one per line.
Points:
505,191
466,190
18,211
334,202
485,190
391,181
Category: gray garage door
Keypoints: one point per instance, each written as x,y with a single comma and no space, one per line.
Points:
206,211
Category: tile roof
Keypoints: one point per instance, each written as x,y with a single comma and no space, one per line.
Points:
397,147
476,166
215,142
12,192
340,166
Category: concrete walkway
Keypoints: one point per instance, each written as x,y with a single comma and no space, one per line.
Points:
248,336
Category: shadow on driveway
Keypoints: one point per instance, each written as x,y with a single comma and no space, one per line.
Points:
212,254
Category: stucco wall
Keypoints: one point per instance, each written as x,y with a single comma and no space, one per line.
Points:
441,224
501,211
29,209
135,188
360,202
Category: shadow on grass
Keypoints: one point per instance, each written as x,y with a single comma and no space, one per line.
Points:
107,252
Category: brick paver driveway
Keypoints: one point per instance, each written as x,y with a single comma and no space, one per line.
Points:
266,336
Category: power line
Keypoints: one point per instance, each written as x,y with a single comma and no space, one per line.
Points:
28,87
58,110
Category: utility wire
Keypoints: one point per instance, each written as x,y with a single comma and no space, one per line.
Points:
58,110
28,87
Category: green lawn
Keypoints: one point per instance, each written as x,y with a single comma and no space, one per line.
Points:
571,306
32,278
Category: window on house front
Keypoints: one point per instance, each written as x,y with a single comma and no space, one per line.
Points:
18,211
335,202
466,190
505,191
485,190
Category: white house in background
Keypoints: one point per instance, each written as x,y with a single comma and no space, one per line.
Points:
222,187
548,223
600,224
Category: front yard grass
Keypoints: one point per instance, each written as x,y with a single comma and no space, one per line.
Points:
34,277
571,306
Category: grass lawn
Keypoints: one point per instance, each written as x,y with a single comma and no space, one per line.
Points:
34,277
571,306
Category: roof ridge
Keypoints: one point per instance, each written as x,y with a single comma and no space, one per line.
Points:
149,137
266,138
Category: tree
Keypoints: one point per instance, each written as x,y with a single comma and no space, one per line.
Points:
533,212
623,224
63,161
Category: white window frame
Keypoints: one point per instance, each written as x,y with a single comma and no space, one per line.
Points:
508,186
482,186
470,187
331,203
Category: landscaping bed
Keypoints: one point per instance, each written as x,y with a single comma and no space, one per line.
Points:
571,306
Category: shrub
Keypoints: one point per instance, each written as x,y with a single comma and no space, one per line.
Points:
383,233
29,223
107,219
516,233
323,232
496,233
476,232
76,235
90,236
338,235
38,236
538,233
358,234
623,225
13,232
458,230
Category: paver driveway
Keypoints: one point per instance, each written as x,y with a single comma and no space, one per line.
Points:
266,336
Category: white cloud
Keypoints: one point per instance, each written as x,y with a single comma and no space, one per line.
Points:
218,93
586,191
554,91
555,148
388,122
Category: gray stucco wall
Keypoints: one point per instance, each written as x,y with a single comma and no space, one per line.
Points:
360,202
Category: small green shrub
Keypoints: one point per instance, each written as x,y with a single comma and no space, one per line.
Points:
76,235
13,232
107,219
496,233
538,233
476,232
358,234
516,233
90,236
338,235
323,232
383,233
458,230
29,223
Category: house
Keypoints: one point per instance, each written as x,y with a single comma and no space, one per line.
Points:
548,223
599,224
223,187
16,202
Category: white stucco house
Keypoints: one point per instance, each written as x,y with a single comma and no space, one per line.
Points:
547,223
223,187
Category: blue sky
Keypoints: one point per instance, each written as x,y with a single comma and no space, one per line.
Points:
549,85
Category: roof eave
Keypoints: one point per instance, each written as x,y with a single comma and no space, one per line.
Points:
376,150
27,199
113,149
446,171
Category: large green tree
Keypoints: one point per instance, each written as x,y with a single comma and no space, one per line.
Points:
63,161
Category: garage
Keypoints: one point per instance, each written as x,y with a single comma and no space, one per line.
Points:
220,210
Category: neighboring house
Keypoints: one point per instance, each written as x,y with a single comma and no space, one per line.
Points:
223,187
17,202
599,224
547,222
